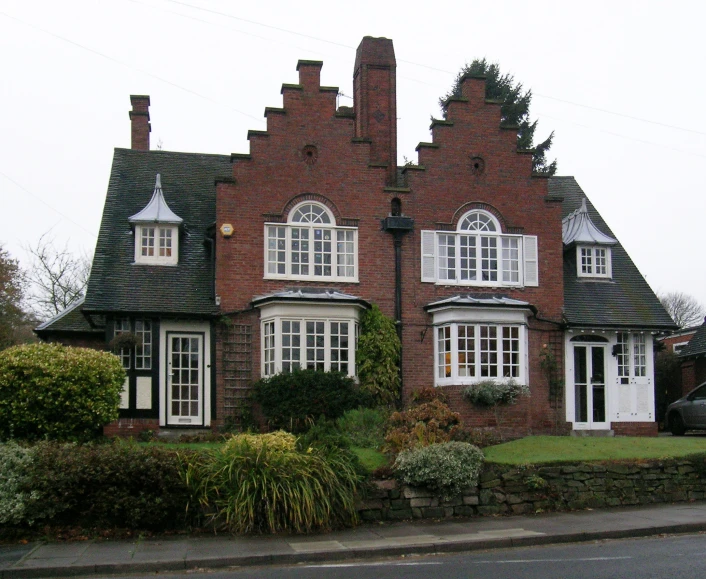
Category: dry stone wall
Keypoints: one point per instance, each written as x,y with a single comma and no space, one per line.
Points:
523,490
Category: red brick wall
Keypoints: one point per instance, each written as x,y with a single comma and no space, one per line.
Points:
346,176
127,427
635,428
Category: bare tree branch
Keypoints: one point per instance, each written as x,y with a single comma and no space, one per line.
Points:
57,277
685,310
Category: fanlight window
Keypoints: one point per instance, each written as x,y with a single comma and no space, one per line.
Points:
479,254
310,246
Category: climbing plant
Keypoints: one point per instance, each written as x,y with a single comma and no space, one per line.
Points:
378,356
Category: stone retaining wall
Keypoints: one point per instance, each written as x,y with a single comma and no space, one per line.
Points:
521,490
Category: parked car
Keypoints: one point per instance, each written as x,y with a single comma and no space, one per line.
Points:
689,412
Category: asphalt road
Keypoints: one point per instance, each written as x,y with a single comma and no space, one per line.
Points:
680,556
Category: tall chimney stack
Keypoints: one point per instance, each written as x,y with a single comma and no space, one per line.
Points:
140,122
375,100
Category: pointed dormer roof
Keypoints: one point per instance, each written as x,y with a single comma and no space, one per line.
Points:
157,210
577,227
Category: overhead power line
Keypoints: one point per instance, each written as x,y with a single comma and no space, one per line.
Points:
38,198
121,63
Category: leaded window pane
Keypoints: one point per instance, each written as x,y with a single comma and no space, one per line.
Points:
147,241
444,352
447,256
143,349
122,326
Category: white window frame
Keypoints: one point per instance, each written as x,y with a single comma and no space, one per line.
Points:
122,326
631,355
284,233
444,262
160,234
593,255
271,344
450,319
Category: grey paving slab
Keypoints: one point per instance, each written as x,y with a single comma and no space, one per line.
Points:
372,540
63,550
11,554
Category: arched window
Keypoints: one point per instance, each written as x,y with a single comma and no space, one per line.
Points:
311,246
478,253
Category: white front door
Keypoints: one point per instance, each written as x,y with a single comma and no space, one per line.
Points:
185,379
590,403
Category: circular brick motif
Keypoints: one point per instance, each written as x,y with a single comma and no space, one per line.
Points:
477,165
310,154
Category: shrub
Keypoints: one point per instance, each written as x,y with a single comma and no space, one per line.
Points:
278,440
14,494
57,392
111,485
293,401
491,393
364,427
255,487
378,356
427,423
445,468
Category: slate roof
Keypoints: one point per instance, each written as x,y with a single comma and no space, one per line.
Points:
70,320
697,344
117,284
626,301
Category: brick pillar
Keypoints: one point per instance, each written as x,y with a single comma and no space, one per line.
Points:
310,74
375,100
140,122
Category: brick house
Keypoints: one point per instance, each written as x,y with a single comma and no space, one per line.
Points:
229,268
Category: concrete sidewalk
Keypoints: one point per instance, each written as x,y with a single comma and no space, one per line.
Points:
367,541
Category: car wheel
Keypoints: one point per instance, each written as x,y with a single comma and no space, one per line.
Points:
676,424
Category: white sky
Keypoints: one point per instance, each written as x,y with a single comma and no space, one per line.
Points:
211,67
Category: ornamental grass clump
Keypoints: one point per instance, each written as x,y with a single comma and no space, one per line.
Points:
446,468
249,485
54,392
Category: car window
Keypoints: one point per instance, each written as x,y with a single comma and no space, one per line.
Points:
700,394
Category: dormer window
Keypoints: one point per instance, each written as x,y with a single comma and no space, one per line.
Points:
156,231
593,261
593,247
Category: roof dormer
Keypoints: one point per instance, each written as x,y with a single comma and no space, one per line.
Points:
156,231
593,247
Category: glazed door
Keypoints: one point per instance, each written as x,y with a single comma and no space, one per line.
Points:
185,379
589,387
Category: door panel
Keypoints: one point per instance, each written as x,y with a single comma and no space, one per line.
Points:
589,386
185,379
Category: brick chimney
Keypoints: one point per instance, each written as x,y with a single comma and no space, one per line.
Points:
140,122
375,100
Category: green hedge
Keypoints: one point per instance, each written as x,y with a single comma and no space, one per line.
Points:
48,391
292,401
121,485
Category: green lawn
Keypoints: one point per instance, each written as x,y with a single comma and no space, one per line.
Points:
370,459
544,449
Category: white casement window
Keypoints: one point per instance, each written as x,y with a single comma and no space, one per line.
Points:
479,254
310,246
593,261
631,354
468,353
143,349
122,326
299,343
156,244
